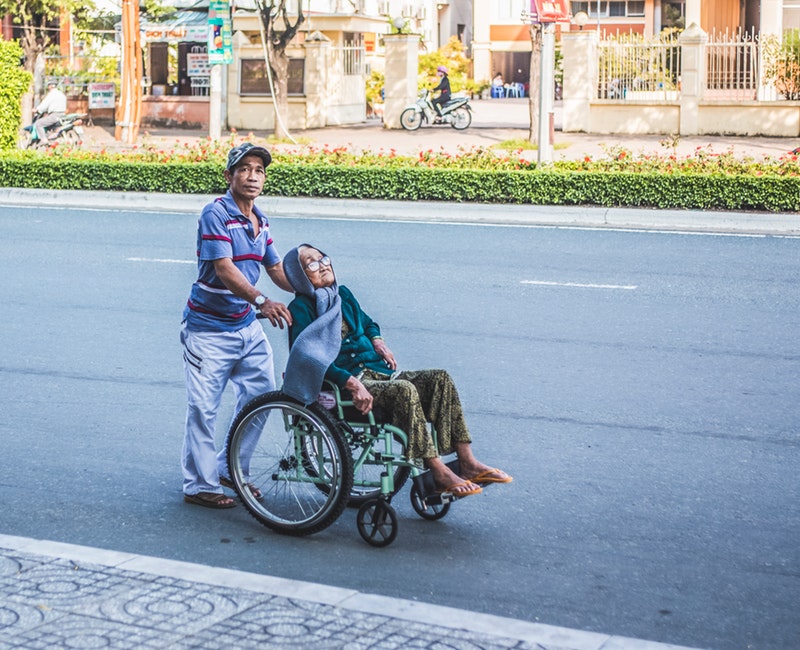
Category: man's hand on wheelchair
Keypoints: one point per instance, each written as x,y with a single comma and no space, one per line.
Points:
361,397
276,312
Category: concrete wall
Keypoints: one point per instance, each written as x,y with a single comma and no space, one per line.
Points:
351,101
331,98
189,112
772,119
402,65
632,118
779,119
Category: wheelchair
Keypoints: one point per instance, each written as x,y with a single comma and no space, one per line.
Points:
296,468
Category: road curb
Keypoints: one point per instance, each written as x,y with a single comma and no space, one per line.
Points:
748,223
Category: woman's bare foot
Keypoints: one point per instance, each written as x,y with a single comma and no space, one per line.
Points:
473,470
447,480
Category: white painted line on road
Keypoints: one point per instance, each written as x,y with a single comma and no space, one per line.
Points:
624,287
427,221
160,261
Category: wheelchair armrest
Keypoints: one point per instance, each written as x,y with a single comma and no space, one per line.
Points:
345,409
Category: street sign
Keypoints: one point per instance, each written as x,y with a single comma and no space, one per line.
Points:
101,95
550,11
197,64
220,36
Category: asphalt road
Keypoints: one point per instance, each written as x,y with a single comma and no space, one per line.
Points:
640,386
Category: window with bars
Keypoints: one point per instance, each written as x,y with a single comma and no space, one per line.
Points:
616,9
253,79
635,8
613,9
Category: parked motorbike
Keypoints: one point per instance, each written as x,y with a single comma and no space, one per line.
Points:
69,130
457,113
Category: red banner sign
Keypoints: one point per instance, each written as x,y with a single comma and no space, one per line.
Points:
551,11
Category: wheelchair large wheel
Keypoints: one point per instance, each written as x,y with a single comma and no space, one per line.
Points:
368,469
377,522
296,457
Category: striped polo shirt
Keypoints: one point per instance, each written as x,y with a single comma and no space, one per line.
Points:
223,231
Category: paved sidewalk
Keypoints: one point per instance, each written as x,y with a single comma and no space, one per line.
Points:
58,595
494,121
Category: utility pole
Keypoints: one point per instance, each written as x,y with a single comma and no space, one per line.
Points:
215,103
547,59
129,110
220,54
545,13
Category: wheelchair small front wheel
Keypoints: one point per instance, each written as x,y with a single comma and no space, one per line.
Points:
429,511
377,522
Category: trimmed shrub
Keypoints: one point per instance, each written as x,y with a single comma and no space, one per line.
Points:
550,186
16,82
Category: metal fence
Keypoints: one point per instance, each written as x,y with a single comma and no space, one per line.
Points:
740,66
733,62
350,59
631,68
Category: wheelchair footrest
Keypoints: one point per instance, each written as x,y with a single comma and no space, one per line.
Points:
425,484
426,487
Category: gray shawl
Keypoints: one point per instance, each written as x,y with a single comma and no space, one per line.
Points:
318,345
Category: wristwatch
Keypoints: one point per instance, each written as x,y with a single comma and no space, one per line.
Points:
260,300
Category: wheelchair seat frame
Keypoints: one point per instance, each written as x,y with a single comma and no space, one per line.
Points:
296,468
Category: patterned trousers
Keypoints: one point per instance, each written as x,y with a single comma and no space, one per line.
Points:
415,397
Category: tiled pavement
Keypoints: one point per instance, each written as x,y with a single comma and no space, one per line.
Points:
55,595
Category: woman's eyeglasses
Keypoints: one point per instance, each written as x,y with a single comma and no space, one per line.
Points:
314,266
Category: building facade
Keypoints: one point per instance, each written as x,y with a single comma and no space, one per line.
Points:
501,39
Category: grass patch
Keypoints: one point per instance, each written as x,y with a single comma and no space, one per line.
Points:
301,140
521,144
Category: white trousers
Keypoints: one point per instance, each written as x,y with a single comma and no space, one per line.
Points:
211,360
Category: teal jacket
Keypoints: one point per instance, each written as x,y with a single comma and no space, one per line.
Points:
356,352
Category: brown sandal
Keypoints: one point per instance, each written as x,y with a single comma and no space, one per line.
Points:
210,500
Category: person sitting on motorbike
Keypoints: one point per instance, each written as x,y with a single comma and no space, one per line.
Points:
444,90
51,109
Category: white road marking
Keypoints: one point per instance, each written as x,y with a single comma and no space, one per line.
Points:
160,261
624,287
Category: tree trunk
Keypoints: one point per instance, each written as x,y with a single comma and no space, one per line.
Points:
33,46
533,95
277,40
279,64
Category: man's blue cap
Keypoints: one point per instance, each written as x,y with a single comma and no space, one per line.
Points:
236,154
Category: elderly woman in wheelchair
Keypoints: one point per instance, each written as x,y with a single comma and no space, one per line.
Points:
309,459
366,369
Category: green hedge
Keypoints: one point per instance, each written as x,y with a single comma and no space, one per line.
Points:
15,83
550,187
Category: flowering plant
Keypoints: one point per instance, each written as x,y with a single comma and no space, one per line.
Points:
703,161
215,151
